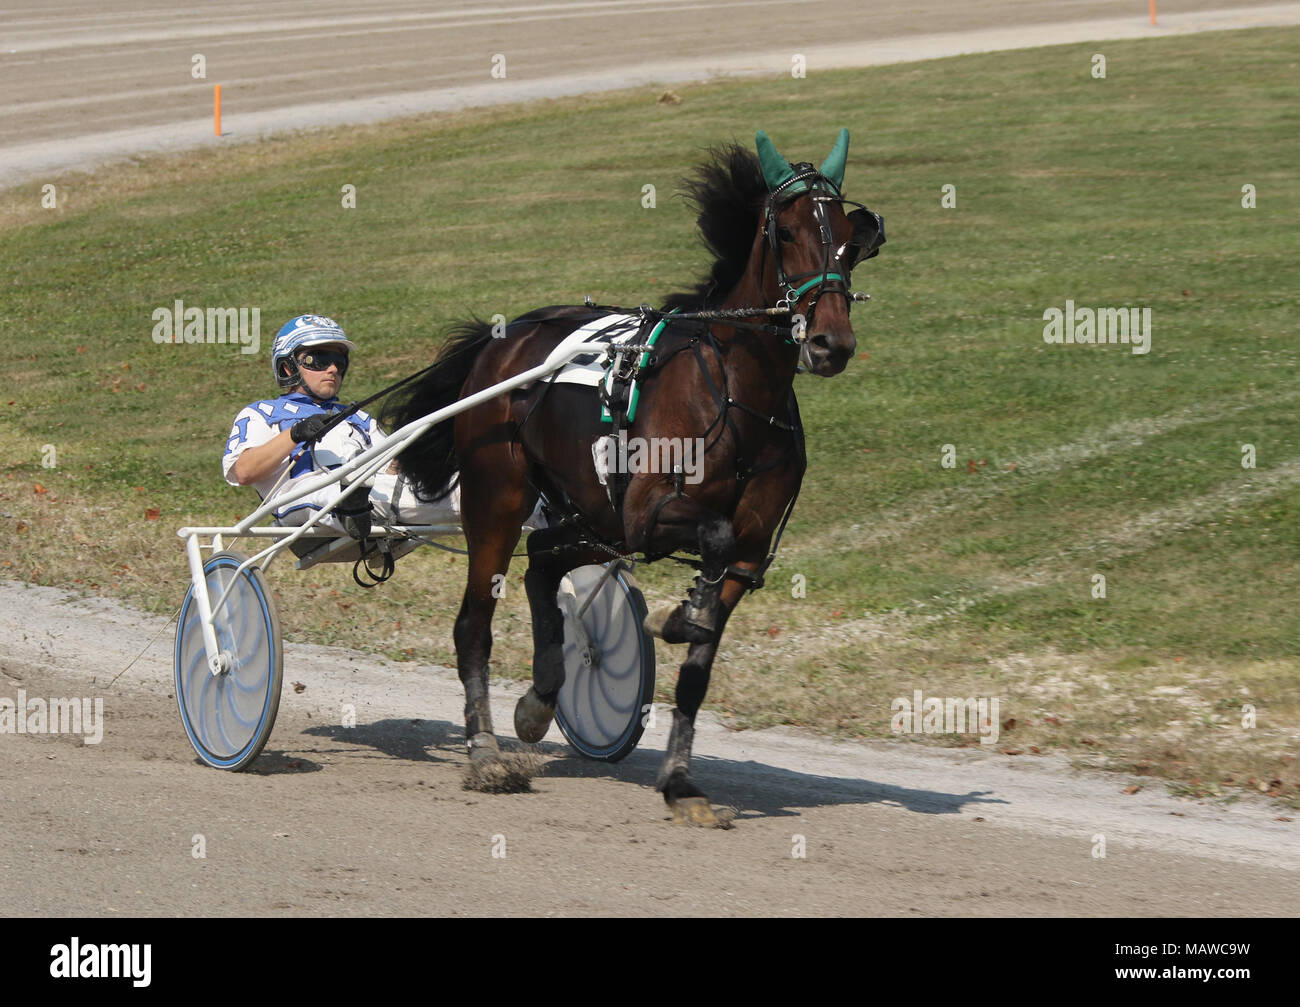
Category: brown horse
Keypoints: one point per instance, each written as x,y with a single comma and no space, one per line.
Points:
784,249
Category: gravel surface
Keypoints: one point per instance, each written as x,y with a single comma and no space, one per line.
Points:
372,820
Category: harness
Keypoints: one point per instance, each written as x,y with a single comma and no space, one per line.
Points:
745,469
629,362
822,191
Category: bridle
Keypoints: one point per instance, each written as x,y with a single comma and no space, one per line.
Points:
822,191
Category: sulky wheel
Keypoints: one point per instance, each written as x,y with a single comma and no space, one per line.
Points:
609,663
229,716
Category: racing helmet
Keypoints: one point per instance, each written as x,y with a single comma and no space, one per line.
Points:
305,330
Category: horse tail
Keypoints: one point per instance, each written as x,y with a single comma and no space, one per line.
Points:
429,462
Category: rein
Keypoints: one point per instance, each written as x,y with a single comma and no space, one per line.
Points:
353,407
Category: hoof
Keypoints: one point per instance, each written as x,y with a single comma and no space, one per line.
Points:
511,773
668,623
695,811
655,623
483,749
533,717
492,771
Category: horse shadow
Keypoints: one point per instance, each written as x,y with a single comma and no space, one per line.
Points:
276,762
754,789
405,739
759,790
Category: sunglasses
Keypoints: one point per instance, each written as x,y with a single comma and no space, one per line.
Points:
320,360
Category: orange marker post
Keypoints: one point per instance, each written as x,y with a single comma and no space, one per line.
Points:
1153,11
216,102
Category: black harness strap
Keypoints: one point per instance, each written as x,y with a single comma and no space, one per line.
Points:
664,500
387,565
771,421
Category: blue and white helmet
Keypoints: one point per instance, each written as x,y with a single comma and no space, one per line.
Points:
305,330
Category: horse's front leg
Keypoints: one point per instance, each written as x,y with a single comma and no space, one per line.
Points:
685,800
699,618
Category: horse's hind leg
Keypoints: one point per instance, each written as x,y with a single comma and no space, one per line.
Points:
491,517
473,635
552,553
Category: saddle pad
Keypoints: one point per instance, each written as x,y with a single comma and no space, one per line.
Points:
589,369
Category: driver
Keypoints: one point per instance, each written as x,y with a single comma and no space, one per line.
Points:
309,359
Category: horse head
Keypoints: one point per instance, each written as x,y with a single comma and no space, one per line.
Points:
811,247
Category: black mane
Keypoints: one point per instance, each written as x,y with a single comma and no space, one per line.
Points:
728,191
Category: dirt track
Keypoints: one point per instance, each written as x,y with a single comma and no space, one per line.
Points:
371,820
79,88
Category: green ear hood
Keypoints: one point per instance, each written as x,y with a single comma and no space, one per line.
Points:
833,166
777,170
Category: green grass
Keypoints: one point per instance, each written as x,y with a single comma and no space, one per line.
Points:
1071,460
